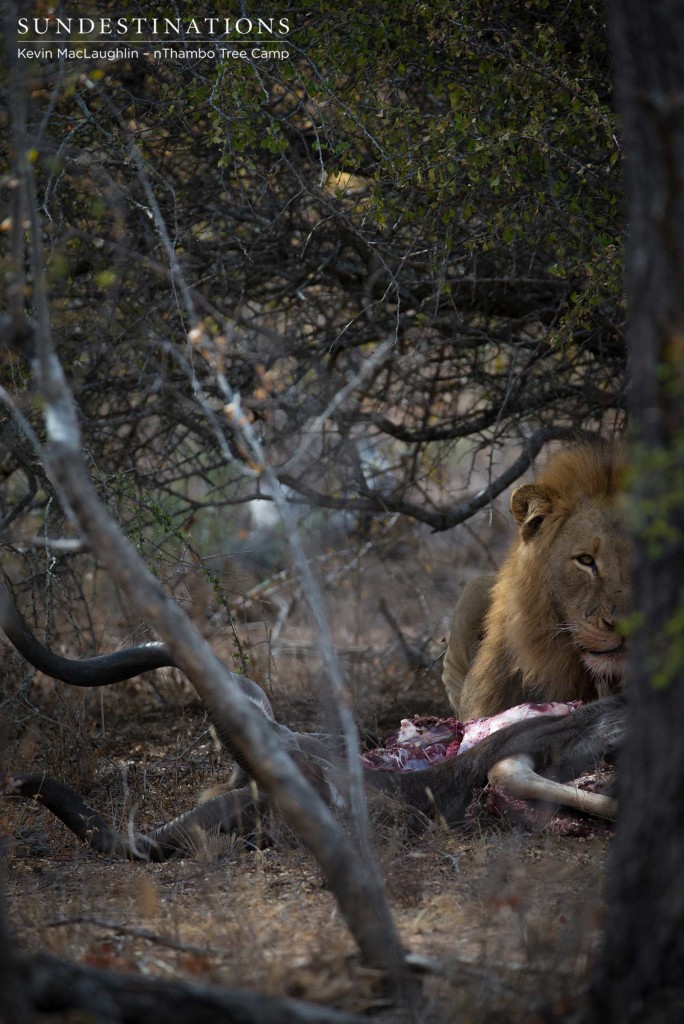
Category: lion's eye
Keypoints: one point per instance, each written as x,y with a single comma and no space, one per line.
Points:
587,560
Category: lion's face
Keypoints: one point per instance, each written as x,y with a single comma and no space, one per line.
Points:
588,579
577,558
552,629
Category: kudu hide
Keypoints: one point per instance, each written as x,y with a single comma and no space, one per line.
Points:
532,760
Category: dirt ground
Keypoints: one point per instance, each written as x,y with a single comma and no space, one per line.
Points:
509,921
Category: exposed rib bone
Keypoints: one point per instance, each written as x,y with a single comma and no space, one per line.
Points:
516,775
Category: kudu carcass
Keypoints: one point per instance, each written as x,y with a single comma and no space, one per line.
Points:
534,759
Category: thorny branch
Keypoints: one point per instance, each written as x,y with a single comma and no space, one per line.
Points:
310,281
246,730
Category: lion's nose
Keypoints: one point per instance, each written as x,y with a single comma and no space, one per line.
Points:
608,617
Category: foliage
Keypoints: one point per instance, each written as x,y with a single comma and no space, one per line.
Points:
403,243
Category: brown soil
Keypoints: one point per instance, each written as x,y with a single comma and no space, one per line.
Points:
513,920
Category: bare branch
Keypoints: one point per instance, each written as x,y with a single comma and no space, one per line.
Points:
246,731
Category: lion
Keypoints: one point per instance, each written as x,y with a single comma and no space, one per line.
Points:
545,628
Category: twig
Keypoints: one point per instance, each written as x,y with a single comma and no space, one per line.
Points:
240,719
415,658
137,933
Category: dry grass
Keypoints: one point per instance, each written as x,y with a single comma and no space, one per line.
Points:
513,919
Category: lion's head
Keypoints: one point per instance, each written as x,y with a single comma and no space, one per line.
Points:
551,632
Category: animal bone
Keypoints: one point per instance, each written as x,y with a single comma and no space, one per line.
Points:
518,757
517,776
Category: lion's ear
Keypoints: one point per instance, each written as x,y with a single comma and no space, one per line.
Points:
530,505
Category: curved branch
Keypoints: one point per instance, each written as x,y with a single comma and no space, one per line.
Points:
441,519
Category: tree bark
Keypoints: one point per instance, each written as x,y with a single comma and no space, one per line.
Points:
56,986
355,880
15,1004
640,976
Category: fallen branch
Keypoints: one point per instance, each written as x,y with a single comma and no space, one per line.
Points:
56,986
135,933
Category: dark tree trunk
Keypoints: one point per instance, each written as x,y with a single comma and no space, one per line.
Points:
641,973
15,1006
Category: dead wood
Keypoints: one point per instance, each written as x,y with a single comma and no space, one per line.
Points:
246,730
54,985
14,1002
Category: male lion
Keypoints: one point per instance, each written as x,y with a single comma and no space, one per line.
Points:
545,627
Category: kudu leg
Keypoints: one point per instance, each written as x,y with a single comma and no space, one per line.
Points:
517,776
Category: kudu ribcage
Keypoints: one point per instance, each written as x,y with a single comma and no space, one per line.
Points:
532,759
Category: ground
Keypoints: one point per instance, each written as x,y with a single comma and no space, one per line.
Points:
509,921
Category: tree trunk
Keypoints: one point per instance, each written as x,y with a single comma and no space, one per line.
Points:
15,1005
641,973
